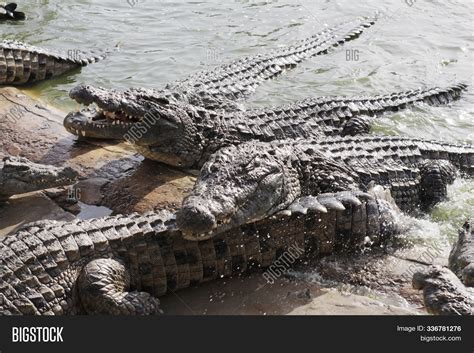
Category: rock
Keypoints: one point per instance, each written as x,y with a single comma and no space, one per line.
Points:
29,129
20,210
251,295
151,185
90,191
333,302
62,197
304,294
112,174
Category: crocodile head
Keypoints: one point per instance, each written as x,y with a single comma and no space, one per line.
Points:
254,180
157,123
19,176
237,185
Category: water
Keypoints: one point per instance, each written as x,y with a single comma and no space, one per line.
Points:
415,43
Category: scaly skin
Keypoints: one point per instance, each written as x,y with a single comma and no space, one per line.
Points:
184,135
239,78
443,292
254,180
119,265
220,86
213,89
461,258
22,63
18,176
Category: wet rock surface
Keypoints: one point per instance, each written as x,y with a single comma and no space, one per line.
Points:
253,296
20,210
111,175
113,178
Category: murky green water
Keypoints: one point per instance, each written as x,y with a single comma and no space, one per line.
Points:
427,43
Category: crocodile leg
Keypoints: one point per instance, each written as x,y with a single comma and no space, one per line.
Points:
254,180
435,177
103,287
357,125
103,266
184,135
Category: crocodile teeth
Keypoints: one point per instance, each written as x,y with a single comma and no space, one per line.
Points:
83,133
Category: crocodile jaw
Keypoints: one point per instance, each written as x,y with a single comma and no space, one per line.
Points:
20,176
235,187
94,123
111,115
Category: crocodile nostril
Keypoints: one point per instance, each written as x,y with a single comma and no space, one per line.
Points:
195,219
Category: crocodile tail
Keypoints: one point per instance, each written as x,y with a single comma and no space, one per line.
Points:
241,77
22,63
460,155
432,96
84,58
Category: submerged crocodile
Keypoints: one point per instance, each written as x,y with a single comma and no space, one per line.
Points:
120,264
254,180
185,135
22,63
443,292
218,88
18,175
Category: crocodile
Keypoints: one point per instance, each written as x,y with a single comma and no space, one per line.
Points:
461,258
18,175
8,12
450,291
241,77
184,135
218,88
254,180
443,292
21,63
119,265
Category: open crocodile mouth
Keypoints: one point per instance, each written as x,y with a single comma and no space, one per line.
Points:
99,123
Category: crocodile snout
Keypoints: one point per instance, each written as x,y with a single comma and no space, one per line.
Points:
195,220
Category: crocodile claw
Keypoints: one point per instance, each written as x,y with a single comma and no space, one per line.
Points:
305,203
321,203
330,202
348,198
285,213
